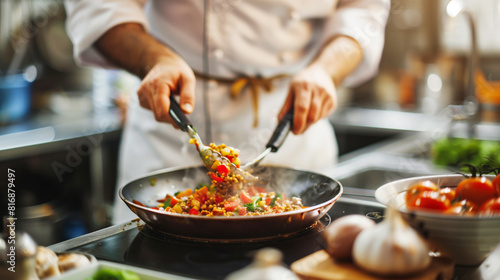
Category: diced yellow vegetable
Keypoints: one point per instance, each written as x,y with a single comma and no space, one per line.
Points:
177,208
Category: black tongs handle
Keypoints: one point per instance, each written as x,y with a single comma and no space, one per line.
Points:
178,115
281,132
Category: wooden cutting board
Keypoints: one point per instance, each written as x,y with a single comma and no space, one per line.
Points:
320,266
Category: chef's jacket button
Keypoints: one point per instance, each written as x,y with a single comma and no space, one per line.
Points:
212,84
218,53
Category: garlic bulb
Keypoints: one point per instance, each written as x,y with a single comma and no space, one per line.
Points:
267,265
340,235
392,247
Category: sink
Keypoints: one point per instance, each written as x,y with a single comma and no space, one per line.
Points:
376,177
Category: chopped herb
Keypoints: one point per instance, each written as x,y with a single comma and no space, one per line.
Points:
273,201
167,203
250,206
200,186
176,193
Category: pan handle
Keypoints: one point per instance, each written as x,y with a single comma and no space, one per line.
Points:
178,115
281,132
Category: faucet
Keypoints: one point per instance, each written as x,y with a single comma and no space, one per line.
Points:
470,105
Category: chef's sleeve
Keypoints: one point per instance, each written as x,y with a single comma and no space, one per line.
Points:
87,20
364,21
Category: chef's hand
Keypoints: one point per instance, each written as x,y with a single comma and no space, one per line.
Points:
162,71
313,97
170,75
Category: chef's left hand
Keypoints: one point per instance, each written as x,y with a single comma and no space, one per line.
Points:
313,96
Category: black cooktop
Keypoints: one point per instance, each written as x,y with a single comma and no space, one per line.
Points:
143,247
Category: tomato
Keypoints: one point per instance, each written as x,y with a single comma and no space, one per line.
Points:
251,191
193,211
462,207
242,211
476,189
268,200
496,184
432,200
490,207
415,190
231,205
245,198
448,192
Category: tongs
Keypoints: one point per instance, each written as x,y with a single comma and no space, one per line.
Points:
208,155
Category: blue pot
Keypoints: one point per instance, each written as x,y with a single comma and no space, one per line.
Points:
15,98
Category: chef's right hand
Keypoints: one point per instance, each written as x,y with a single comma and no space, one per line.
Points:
170,75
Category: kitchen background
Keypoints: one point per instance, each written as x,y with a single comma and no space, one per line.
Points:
60,124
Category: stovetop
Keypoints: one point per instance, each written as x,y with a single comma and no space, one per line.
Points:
143,247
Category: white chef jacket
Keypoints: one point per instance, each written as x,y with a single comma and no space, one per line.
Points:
243,37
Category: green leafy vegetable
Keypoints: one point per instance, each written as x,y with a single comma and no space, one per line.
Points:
114,274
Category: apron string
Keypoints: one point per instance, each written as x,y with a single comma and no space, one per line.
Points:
239,84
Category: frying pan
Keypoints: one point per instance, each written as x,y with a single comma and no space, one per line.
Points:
317,191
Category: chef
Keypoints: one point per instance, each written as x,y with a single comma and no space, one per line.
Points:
235,66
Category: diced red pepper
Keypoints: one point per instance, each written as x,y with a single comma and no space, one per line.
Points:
216,178
193,211
230,158
137,202
173,201
242,211
223,170
230,206
245,198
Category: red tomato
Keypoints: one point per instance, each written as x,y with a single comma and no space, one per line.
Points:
251,191
476,189
496,184
245,198
463,207
448,192
193,211
268,200
432,200
231,205
242,211
415,190
490,207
